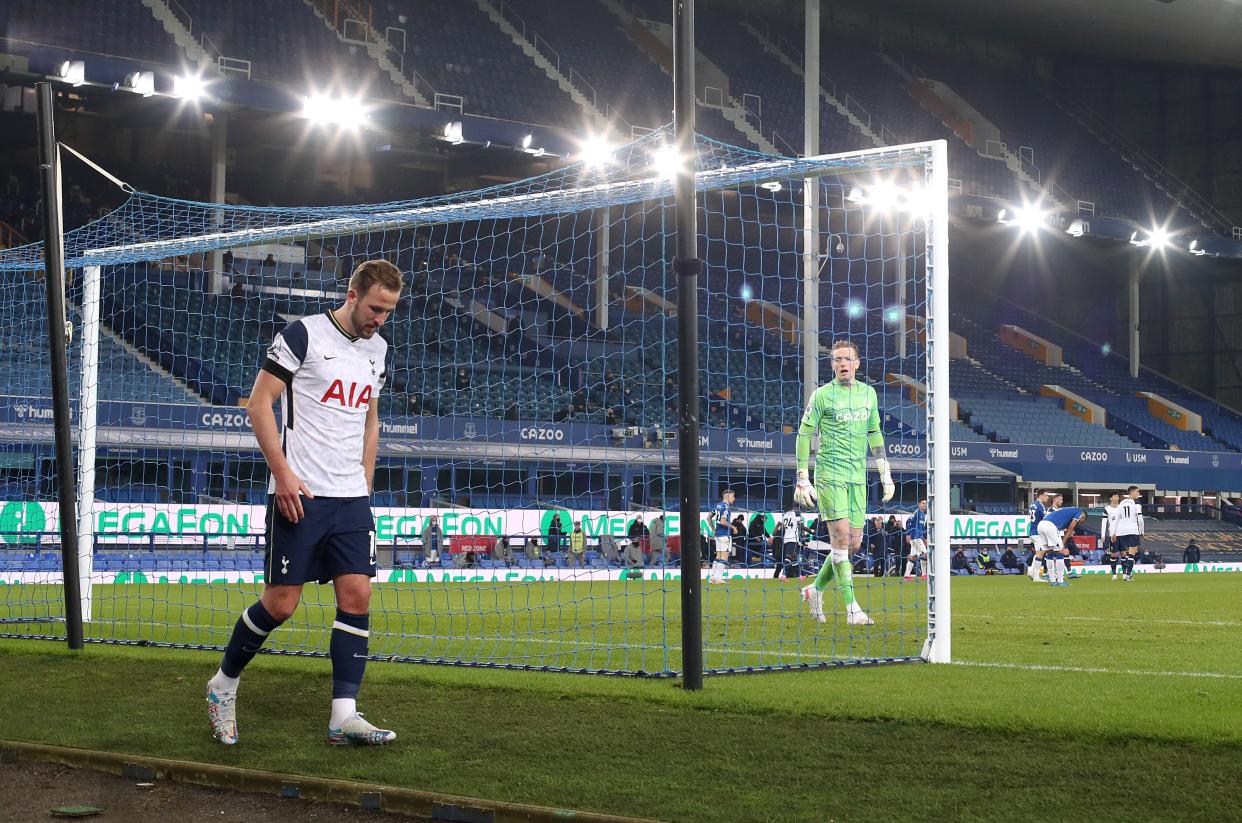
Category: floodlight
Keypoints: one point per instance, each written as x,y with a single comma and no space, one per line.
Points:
189,87
746,292
1157,239
526,141
882,196
668,163
854,309
1195,249
1077,228
1030,218
596,152
72,72
140,82
452,132
893,314
348,112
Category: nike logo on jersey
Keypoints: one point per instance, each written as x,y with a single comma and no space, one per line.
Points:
329,357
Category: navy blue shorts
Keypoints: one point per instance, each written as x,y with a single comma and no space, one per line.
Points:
335,536
1125,542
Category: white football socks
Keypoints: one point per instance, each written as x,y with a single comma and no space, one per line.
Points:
343,708
223,685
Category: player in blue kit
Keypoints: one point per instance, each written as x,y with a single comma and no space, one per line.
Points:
1051,528
916,536
721,519
1037,512
327,371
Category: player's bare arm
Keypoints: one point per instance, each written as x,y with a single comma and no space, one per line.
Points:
370,444
289,487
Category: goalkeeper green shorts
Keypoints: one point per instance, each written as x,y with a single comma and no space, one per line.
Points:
839,501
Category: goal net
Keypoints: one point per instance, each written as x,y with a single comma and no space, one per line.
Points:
530,410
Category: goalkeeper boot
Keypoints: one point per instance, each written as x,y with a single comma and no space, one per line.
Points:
356,731
814,598
222,714
858,617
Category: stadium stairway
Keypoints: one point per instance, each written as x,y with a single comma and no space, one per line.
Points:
1109,383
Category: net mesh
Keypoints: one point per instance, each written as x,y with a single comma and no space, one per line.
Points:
533,388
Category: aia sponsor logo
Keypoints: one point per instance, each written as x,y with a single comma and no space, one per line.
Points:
352,398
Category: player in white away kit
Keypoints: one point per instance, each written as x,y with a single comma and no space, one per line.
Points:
327,370
1108,541
789,550
1127,526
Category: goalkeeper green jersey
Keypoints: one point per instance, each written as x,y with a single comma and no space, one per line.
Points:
847,419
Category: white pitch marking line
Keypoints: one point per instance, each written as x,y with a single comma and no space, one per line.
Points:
1039,667
1097,619
586,645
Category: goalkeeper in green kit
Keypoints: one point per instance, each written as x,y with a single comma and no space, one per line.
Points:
846,415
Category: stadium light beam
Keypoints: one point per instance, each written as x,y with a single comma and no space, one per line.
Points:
1028,218
596,152
667,161
882,197
1157,239
189,87
526,141
344,112
914,201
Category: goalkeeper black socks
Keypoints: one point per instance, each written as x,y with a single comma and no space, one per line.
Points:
252,628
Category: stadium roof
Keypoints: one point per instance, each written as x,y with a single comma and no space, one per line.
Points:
1191,31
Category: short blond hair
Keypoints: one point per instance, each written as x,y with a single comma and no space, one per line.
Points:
376,272
844,344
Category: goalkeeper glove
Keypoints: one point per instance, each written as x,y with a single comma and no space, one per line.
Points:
886,478
804,493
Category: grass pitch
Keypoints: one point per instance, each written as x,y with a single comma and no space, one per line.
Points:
1105,700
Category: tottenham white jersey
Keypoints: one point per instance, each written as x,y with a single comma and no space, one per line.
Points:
330,379
1127,519
1106,526
791,526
